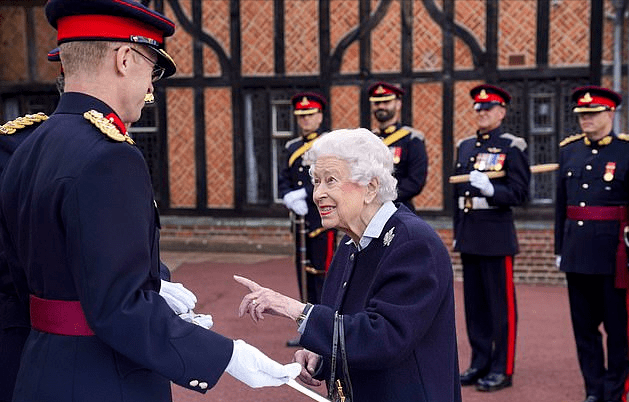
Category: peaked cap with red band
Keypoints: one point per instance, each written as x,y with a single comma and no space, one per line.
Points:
308,103
486,96
112,20
593,99
383,91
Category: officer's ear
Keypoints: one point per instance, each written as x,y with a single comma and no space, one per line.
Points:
122,59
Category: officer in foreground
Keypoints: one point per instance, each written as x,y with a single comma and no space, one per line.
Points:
485,235
406,143
295,188
79,228
590,240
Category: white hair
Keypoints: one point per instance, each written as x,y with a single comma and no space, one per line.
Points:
365,153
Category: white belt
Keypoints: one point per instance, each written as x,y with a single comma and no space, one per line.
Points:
474,203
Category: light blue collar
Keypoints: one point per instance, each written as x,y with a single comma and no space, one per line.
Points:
376,225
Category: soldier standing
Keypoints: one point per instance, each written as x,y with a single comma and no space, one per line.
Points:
590,220
295,188
80,230
485,235
406,143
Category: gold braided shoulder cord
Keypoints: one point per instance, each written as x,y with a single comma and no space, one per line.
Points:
106,126
12,126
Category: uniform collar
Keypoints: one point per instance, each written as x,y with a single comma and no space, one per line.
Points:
79,103
489,134
600,143
388,130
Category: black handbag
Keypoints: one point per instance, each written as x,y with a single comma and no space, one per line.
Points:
339,390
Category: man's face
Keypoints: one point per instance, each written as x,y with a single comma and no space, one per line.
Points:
309,123
490,119
139,83
596,124
387,110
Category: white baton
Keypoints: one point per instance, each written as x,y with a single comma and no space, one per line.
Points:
306,391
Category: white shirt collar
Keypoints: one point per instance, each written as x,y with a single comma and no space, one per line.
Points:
376,225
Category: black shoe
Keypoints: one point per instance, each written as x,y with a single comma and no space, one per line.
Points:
592,398
293,343
493,382
471,376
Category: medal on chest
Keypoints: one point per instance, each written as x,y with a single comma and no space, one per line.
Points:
610,168
489,161
397,154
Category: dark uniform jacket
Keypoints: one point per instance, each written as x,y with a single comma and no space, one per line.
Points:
490,231
295,176
410,159
397,299
78,223
589,247
14,314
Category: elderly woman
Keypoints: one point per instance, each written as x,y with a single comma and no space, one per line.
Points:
384,330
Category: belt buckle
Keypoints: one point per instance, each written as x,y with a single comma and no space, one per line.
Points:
468,202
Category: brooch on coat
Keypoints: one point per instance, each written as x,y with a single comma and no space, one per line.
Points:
388,237
106,126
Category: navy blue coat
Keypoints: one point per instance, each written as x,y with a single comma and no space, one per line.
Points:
410,159
398,309
491,232
14,314
78,223
589,247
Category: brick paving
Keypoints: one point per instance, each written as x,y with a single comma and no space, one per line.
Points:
546,363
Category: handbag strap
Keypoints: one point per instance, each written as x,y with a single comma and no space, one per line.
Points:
335,338
348,383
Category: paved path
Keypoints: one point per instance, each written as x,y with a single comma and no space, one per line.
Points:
546,363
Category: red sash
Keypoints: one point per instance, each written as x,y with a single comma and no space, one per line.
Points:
618,213
59,317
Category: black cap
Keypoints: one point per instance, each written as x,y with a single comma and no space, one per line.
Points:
486,96
308,103
112,20
591,98
383,91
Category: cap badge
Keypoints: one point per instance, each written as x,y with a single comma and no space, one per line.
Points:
106,126
388,237
586,98
304,101
610,168
483,94
379,90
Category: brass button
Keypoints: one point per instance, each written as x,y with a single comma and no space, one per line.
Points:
467,193
595,151
580,223
299,183
203,385
582,204
588,167
194,383
569,174
585,185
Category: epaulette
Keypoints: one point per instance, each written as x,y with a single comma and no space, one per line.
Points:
571,139
106,126
623,136
10,127
517,142
291,142
458,144
415,133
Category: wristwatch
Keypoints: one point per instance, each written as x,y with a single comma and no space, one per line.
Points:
300,319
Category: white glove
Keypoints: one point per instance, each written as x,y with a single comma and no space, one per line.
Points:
180,299
481,182
557,261
202,320
256,369
296,201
